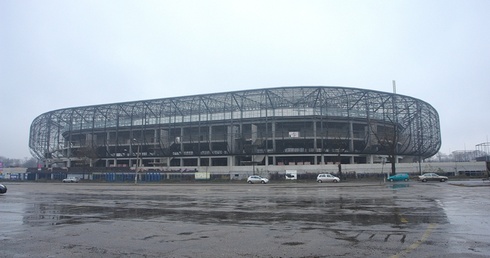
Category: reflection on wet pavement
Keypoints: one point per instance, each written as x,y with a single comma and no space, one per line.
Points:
279,220
319,208
398,186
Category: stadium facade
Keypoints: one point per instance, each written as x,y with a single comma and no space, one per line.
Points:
311,125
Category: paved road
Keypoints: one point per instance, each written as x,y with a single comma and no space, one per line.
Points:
239,220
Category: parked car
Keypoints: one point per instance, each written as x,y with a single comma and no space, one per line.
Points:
432,177
398,177
71,180
3,189
327,178
257,179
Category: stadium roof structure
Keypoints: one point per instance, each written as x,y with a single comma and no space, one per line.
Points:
409,125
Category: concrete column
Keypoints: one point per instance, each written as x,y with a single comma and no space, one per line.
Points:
210,138
351,136
231,162
273,136
229,137
181,141
314,136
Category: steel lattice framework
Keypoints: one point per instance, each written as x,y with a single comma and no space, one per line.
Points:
275,122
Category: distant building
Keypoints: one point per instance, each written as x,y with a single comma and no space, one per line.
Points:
262,127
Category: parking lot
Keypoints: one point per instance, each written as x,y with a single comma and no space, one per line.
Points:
347,219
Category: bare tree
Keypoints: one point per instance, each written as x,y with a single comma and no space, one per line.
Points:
340,145
387,138
88,154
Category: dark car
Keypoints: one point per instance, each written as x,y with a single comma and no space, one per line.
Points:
3,189
398,177
432,177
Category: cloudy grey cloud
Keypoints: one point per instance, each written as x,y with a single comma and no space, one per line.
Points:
57,54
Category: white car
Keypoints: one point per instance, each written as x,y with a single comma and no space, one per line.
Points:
71,180
327,178
257,179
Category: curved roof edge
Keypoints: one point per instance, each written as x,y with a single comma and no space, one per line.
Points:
241,91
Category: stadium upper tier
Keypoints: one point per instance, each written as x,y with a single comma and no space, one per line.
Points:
272,126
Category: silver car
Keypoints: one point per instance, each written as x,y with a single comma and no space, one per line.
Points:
327,178
257,179
71,180
432,177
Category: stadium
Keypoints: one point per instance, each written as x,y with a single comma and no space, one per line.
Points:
266,129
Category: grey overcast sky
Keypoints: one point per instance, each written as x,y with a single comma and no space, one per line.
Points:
59,54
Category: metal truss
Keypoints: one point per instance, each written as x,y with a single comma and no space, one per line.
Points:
120,126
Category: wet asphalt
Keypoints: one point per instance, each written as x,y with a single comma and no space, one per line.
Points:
286,219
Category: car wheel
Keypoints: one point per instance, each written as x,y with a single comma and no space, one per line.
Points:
335,181
391,179
263,182
443,179
406,179
250,182
424,180
319,181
